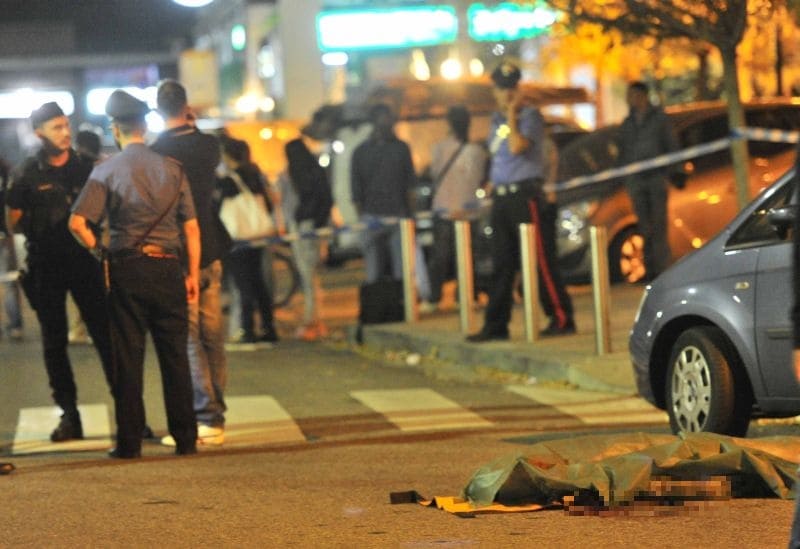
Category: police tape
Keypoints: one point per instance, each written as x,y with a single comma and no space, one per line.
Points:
766,134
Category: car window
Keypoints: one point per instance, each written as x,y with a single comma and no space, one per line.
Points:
757,229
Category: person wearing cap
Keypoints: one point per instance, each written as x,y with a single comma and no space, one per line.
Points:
39,197
199,154
150,210
516,142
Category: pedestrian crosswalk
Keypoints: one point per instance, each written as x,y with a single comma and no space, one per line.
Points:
255,420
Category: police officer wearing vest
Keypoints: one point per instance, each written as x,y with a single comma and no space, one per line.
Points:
516,143
149,206
42,190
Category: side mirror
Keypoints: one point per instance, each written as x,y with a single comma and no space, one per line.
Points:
782,219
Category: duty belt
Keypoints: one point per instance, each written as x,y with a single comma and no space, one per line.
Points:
145,250
513,188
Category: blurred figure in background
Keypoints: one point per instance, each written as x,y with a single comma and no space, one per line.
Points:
458,168
306,203
8,264
244,260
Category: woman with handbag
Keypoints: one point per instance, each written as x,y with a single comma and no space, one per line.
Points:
244,261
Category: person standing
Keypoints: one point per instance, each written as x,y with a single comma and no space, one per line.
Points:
199,155
8,264
646,133
458,168
382,179
516,142
39,197
306,203
149,206
245,260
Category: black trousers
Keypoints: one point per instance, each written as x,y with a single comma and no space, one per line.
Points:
442,265
527,205
81,276
246,267
149,295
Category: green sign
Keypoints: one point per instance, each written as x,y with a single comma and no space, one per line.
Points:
508,21
345,30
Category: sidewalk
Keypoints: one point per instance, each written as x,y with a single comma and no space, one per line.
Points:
568,359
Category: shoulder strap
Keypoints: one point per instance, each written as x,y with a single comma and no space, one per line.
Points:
448,165
140,240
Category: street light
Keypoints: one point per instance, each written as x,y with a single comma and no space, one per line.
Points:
193,3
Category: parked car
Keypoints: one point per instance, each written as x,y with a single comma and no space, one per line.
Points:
695,213
712,340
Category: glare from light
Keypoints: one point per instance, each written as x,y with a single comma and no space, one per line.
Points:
324,160
335,59
267,104
419,65
155,122
238,37
476,67
247,104
266,134
338,147
20,103
193,3
451,69
498,49
697,242
97,98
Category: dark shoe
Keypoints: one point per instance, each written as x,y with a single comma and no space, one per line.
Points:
185,449
69,428
553,329
148,433
484,336
269,336
119,453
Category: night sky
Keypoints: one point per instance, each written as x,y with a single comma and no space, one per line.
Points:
104,26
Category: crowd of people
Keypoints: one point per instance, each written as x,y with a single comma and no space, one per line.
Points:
137,240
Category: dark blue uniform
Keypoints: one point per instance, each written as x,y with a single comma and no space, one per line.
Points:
134,188
57,264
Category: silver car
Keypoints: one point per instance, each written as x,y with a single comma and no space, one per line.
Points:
712,340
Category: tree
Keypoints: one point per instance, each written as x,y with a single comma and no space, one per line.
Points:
720,23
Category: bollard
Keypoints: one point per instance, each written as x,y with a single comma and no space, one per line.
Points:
530,279
409,250
601,290
466,274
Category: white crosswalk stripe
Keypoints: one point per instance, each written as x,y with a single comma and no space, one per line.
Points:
419,409
258,419
593,408
35,425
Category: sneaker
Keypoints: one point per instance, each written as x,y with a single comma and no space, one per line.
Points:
210,436
69,428
269,336
483,336
426,307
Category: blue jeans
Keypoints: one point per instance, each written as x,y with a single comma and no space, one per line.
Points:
206,348
11,293
383,255
306,256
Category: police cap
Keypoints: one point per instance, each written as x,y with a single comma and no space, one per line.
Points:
124,107
46,112
506,75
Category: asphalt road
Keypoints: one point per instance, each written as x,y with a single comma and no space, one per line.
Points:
319,473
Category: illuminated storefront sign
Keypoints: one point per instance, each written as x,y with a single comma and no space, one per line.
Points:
507,21
386,28
20,103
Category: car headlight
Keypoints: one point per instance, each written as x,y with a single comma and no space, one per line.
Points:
573,220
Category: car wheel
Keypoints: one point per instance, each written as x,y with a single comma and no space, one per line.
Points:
702,393
626,256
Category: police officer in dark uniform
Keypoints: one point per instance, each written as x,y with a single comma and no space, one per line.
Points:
149,206
516,143
39,198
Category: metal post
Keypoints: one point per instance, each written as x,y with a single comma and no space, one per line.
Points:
466,281
408,243
601,289
530,279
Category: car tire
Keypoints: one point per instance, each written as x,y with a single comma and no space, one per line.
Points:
626,256
702,392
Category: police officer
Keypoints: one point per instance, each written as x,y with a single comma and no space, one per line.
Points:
149,206
39,198
516,143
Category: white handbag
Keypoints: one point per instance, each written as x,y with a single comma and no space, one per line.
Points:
245,215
